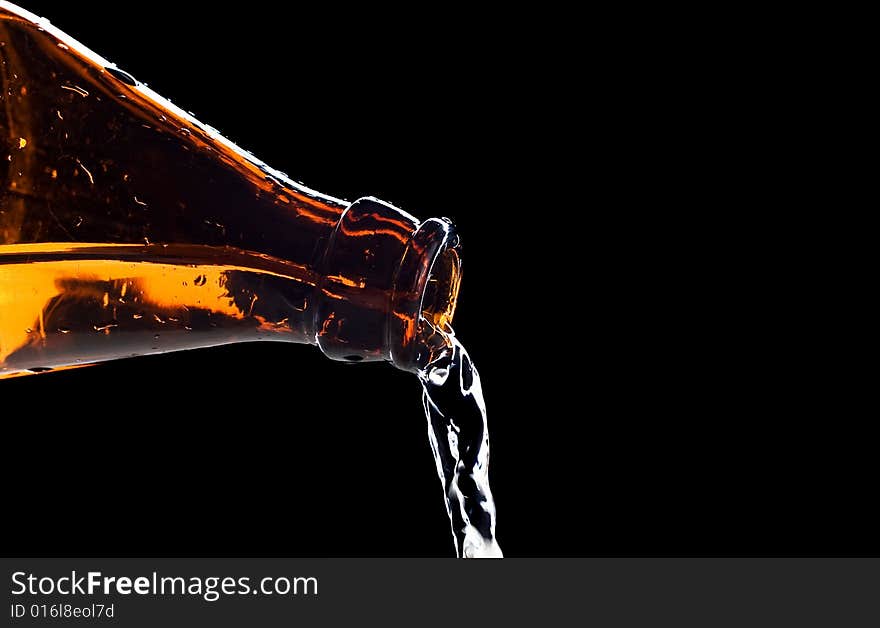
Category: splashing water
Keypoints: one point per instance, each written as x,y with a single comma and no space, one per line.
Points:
459,436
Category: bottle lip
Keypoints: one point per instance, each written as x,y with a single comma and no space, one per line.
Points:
385,277
425,289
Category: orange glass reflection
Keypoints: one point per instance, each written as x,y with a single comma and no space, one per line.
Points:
174,292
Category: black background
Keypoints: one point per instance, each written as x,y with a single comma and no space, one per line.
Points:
642,377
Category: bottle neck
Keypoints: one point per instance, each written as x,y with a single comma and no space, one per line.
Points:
383,274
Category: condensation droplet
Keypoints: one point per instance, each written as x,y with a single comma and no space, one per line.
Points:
125,77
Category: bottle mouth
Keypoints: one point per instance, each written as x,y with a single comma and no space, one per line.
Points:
387,282
441,291
425,289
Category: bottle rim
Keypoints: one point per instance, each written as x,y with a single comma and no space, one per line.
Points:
425,289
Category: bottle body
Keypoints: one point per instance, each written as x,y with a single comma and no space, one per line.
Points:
128,227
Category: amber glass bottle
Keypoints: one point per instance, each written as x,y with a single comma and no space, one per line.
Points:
127,227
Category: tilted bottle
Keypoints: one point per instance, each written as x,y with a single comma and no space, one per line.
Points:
127,227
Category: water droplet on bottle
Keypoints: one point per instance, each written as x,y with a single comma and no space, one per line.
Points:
125,77
64,330
200,280
156,337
